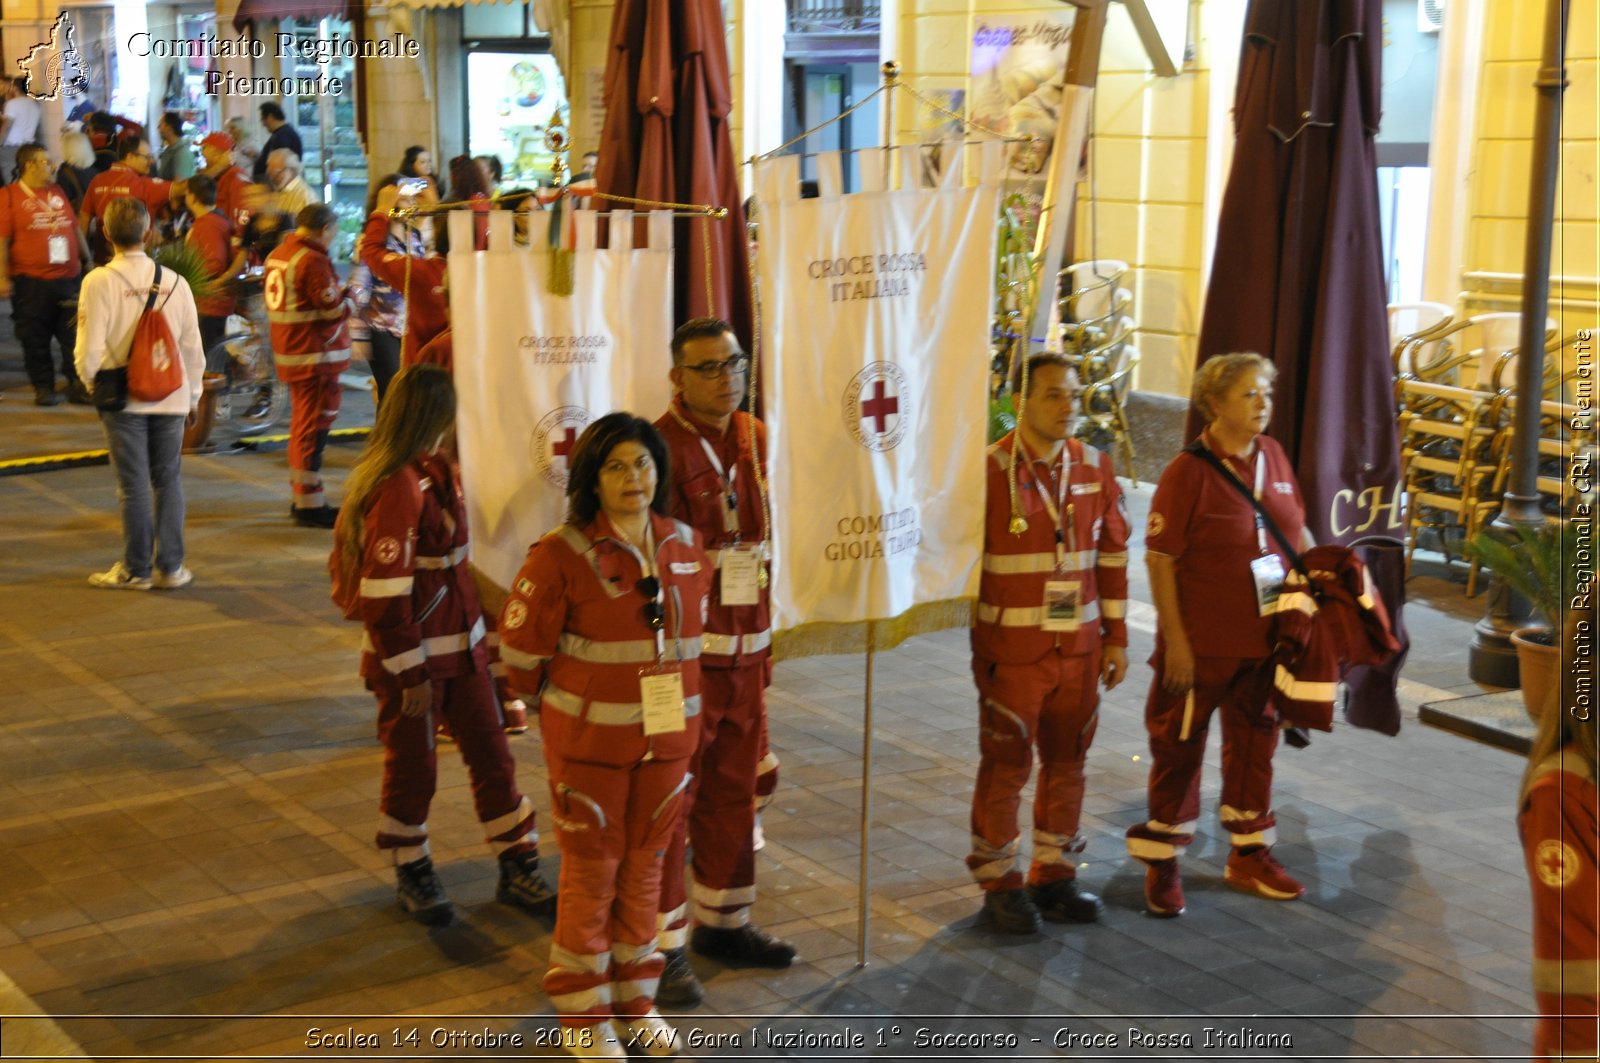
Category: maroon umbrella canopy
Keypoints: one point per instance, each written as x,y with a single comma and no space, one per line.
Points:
1298,276
666,138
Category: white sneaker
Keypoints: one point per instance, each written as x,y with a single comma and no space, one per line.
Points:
650,1034
591,1042
117,577
171,581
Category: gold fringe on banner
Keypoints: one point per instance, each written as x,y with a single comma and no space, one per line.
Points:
824,639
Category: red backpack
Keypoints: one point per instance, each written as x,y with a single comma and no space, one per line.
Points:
154,368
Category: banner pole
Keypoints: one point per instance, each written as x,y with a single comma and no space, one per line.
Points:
864,917
891,81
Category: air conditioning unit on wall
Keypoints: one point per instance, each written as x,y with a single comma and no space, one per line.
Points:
1430,16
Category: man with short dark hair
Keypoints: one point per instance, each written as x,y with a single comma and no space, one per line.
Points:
145,438
715,450
129,177
1050,627
176,161
309,311
41,249
280,135
211,235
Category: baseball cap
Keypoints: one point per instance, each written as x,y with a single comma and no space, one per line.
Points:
220,141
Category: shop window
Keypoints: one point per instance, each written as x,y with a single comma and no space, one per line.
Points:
514,90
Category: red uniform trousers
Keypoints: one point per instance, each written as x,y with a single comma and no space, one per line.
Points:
315,402
410,766
1177,725
615,824
721,800
1054,705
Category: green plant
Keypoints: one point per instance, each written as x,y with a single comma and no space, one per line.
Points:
1002,416
185,260
1542,564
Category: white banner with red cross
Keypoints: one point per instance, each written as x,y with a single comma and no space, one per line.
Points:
533,368
875,344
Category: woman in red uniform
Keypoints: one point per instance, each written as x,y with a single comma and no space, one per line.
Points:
603,626
1214,573
1560,829
400,566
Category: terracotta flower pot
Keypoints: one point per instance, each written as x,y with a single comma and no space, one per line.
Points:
196,439
1538,665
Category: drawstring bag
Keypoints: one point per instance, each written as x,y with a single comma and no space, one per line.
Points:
154,371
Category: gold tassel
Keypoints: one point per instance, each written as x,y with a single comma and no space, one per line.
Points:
561,271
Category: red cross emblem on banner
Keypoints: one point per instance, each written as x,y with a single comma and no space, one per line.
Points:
880,407
562,448
876,404
554,439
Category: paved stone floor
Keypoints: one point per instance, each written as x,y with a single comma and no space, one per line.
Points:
186,864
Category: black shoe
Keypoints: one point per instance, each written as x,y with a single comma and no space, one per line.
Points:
744,946
318,517
1012,911
521,885
46,397
678,988
1063,902
1296,737
421,893
79,395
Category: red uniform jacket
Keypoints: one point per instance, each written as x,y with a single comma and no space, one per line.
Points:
231,184
212,236
1336,621
573,632
1560,830
1016,568
307,308
740,634
119,180
418,602
427,302
440,351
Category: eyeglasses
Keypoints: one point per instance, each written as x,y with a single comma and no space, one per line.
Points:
712,370
654,615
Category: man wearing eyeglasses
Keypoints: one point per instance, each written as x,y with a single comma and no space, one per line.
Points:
714,450
128,176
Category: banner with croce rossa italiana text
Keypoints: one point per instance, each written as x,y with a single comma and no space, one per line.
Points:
875,339
533,367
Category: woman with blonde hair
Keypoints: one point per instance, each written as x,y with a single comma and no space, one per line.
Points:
77,167
1215,570
399,565
1560,830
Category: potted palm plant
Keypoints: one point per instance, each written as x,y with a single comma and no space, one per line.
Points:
1542,565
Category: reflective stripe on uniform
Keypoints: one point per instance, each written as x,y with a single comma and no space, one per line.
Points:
450,560
1302,689
433,646
729,645
393,587
626,651
609,713
1009,616
516,658
314,358
1566,977
1025,564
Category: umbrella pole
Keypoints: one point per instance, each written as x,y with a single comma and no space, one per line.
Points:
1492,658
863,915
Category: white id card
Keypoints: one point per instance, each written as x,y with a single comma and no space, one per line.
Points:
1063,605
741,569
1268,575
662,696
58,250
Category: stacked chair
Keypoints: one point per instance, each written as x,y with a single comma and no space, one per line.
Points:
1454,389
1097,337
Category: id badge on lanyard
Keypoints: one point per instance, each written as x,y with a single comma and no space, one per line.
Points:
740,576
1266,570
59,250
1063,597
661,693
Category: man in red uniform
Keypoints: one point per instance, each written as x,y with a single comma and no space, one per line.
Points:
128,176
714,449
309,312
211,235
1050,628
42,255
217,150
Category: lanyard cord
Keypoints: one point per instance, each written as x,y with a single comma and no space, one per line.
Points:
730,511
1260,476
1055,507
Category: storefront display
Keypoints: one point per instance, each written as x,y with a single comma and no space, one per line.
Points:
511,98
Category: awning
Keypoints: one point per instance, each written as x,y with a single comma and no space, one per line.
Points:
442,3
259,11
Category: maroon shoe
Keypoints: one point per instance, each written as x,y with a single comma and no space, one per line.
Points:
1163,889
1260,874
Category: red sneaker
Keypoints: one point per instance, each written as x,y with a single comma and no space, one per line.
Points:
1260,874
516,713
1163,889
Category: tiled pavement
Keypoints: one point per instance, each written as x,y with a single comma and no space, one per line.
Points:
187,788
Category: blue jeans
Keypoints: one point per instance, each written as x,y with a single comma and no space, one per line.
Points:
145,452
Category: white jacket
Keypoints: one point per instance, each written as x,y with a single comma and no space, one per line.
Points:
109,305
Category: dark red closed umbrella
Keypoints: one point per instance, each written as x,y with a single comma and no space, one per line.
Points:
666,138
1298,277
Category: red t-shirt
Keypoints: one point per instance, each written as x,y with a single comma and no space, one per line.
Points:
120,180
231,184
29,218
212,236
1205,523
